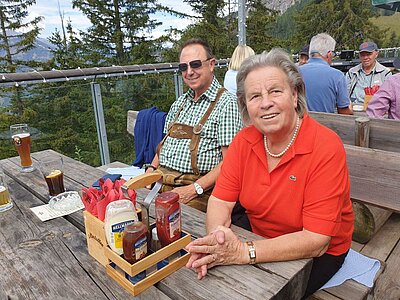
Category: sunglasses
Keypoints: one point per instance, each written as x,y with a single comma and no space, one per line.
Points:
194,64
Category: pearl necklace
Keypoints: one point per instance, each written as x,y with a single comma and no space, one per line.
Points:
288,146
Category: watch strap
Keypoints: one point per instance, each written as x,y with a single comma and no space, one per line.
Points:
252,252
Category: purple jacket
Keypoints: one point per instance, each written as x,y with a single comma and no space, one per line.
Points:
386,99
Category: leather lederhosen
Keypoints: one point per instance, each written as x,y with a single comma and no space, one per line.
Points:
173,178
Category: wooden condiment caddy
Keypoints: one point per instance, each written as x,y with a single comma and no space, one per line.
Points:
117,266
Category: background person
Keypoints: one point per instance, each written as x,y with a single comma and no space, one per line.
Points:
240,53
326,89
369,74
190,154
387,99
304,55
289,173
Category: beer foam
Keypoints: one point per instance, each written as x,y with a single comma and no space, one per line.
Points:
2,188
21,135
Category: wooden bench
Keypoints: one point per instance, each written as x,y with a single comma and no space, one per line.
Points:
362,131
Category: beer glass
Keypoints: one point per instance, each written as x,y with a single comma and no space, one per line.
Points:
22,141
5,200
52,170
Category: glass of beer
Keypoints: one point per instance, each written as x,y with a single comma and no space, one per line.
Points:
52,170
5,200
22,141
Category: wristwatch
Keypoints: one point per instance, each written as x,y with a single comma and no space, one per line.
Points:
198,188
252,252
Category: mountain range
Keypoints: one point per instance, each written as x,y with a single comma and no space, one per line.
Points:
40,52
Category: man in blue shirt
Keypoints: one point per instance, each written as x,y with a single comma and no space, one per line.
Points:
326,88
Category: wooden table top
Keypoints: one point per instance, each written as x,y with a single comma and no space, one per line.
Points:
49,260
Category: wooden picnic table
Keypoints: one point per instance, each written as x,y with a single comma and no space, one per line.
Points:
49,260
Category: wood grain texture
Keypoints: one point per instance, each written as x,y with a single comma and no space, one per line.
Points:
383,133
49,260
374,176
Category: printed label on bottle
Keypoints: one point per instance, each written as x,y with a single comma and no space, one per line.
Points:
116,233
174,221
141,248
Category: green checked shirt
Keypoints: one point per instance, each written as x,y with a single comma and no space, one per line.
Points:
219,130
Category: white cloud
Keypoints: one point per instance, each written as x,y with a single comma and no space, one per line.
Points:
49,9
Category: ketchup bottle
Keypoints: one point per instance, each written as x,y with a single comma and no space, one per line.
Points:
168,214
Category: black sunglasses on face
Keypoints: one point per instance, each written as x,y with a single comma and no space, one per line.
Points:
194,64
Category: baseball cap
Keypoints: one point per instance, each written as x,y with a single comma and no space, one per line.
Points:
305,50
368,47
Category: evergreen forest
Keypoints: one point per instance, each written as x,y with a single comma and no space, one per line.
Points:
61,114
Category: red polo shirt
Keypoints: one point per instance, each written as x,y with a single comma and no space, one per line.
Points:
309,188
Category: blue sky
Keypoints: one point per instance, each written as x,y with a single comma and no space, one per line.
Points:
49,9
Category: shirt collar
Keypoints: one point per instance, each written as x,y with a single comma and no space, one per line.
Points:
317,60
303,144
210,94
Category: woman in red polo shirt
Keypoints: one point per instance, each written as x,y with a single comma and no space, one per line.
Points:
288,172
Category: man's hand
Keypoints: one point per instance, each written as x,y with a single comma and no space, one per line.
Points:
221,247
186,193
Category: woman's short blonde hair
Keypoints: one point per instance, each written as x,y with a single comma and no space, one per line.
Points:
277,58
239,55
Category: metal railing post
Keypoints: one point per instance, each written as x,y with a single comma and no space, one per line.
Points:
178,82
100,124
242,22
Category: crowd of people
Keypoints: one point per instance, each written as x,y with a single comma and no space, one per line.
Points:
249,154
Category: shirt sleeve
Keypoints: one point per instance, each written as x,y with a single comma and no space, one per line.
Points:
327,190
380,102
227,186
230,122
343,100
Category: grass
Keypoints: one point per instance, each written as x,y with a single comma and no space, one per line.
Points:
392,22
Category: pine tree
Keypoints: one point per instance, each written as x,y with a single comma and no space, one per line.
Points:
345,20
209,10
117,28
12,15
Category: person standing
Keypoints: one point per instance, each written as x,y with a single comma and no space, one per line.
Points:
386,100
366,76
325,86
240,53
199,127
304,55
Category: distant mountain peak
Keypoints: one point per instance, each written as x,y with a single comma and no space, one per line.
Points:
40,52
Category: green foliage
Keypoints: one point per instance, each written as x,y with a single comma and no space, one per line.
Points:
210,10
16,35
284,27
391,26
347,21
260,21
117,28
78,154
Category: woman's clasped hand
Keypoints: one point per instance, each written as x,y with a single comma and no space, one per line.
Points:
220,247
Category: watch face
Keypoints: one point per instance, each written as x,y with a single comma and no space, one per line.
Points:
198,188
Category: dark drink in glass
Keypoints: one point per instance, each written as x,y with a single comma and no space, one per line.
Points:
55,182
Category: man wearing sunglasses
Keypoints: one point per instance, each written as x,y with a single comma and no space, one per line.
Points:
199,127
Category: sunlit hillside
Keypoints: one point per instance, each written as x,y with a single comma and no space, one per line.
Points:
392,22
